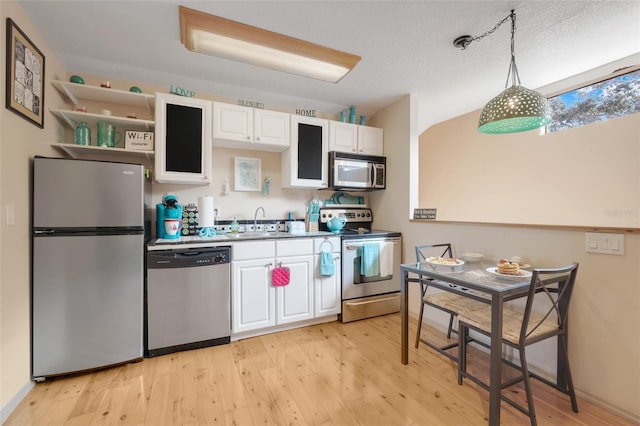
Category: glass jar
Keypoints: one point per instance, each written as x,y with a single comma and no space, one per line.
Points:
83,134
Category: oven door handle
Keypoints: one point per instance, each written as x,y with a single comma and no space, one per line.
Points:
366,302
357,246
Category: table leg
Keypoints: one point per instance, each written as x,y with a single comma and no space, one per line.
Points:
404,317
495,372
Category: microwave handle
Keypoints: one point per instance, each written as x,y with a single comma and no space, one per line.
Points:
372,175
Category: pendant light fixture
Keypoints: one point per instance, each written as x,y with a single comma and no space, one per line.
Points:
517,109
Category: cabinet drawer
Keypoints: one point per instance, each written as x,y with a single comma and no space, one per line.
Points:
253,250
295,247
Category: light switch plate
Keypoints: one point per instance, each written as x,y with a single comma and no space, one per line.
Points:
596,242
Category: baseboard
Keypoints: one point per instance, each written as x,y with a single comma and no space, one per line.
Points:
633,418
283,327
11,405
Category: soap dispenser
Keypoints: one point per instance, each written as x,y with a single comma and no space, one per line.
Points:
235,226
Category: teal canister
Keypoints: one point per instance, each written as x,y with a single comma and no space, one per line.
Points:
83,134
352,114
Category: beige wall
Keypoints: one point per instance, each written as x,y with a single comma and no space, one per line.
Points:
19,141
586,176
604,344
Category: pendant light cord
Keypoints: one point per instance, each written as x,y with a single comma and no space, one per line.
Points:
464,41
513,68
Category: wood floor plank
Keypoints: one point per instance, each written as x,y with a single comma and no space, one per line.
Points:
328,374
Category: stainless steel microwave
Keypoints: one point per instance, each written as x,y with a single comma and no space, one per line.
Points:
356,172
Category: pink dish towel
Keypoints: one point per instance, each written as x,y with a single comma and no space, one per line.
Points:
280,276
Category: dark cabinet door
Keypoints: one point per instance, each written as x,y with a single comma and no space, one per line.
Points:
304,164
309,151
183,140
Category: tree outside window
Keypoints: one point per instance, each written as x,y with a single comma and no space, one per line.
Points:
615,97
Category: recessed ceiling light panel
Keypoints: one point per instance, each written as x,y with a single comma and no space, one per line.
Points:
212,35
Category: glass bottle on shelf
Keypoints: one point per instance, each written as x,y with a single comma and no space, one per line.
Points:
83,134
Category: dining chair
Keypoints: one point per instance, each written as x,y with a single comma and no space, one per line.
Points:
450,303
550,293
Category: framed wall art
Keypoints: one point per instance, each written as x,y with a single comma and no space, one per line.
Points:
25,76
247,174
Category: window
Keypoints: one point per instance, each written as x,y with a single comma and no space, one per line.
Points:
615,97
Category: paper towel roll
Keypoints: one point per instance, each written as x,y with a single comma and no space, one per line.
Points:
206,213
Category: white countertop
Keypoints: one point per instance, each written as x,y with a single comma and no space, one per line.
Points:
194,241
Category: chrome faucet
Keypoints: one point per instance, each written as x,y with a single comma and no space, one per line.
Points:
255,218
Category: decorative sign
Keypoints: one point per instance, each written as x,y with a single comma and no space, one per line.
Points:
424,213
306,112
252,104
181,92
142,141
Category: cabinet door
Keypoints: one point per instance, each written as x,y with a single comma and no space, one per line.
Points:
304,164
343,137
271,128
253,295
183,140
370,141
328,289
232,122
294,302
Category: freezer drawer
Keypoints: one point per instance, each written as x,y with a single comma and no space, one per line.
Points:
87,305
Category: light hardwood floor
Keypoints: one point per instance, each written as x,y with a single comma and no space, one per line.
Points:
329,374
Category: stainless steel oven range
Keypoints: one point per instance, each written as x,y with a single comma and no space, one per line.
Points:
370,264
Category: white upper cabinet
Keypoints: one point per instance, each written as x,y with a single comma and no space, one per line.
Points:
370,141
355,139
183,140
304,164
236,126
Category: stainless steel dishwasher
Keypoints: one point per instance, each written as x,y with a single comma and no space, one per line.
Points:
187,299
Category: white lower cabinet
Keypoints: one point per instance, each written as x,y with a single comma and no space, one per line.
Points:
294,302
327,288
253,297
257,304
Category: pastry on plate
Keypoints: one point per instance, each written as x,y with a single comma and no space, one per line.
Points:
507,267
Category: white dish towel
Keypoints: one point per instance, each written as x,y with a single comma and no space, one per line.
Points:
386,258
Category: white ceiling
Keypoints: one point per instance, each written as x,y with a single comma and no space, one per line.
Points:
406,47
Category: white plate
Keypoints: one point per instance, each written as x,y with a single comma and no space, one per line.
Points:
433,261
522,275
430,261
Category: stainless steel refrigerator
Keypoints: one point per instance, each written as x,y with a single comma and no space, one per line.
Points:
87,279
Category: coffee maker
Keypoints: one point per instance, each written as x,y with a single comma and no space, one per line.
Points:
168,217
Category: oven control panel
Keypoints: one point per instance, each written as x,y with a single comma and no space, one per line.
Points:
351,214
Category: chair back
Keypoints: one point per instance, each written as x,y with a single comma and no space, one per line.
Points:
555,287
425,251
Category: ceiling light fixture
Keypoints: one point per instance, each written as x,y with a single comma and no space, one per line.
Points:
517,109
212,35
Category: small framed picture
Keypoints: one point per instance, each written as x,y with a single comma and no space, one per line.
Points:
25,76
247,174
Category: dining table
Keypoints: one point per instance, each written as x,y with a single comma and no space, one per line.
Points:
476,280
